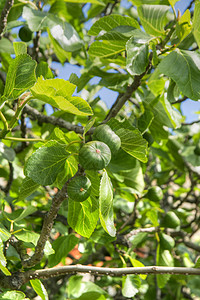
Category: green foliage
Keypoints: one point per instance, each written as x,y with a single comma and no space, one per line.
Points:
92,179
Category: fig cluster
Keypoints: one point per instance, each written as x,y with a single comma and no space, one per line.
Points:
94,155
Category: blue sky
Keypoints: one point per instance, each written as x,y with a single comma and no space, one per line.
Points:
188,107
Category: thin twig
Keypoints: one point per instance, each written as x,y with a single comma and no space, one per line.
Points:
46,273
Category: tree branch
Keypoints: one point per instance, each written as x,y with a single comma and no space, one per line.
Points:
122,98
19,278
36,115
4,16
73,269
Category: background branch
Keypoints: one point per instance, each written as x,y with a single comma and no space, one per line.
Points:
4,16
122,98
36,115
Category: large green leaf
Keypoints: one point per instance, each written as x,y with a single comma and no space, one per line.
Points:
20,77
58,93
62,246
63,32
3,261
153,18
184,68
106,205
39,288
27,187
196,22
107,23
131,139
137,49
45,163
83,216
